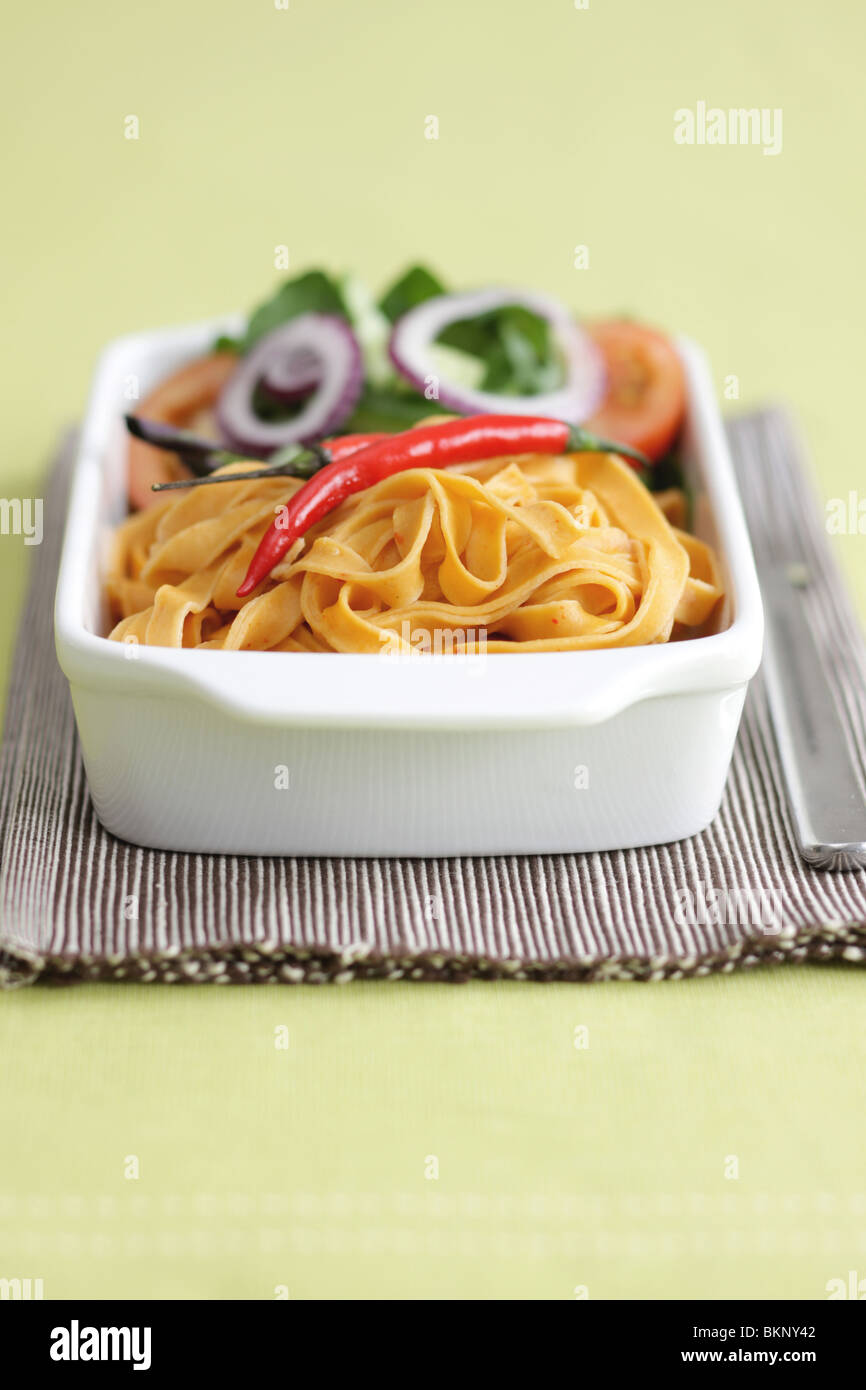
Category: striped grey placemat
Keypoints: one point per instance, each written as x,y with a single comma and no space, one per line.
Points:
77,903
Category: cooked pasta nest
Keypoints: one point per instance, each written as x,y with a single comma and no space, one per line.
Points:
529,554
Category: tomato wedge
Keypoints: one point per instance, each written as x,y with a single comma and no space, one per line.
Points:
175,401
646,398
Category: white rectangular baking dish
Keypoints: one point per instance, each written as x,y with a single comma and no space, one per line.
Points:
424,756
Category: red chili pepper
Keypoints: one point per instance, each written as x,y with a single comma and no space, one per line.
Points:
344,444
430,446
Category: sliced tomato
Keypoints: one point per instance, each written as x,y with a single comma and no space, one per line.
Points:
646,398
175,401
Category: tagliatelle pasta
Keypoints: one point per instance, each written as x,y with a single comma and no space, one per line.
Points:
526,554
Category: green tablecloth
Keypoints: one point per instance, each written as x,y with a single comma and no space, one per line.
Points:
708,1140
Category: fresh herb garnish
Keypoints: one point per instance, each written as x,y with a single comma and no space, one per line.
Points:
515,347
413,287
311,293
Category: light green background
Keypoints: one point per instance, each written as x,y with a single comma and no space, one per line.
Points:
558,1167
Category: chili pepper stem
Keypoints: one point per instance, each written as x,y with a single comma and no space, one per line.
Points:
201,456
582,442
296,468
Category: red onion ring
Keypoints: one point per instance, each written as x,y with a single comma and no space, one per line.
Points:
293,376
284,358
416,331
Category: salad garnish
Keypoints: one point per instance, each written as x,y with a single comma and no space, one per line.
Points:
324,356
